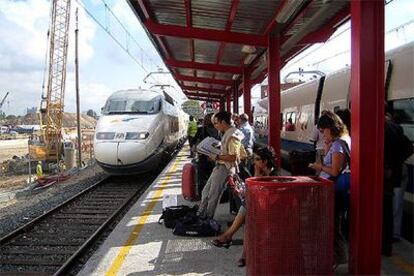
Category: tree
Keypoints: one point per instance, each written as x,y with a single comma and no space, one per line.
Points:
91,113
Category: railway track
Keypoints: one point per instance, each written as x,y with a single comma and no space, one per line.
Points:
51,243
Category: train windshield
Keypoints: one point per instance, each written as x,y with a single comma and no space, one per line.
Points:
132,106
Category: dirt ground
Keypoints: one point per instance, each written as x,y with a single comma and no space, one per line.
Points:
8,183
19,147
14,182
9,148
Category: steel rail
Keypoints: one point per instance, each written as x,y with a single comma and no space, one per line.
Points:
29,224
85,245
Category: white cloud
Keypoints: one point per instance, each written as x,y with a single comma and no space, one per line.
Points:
23,28
92,95
30,22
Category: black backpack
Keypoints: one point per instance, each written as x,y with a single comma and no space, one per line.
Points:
171,214
397,146
192,225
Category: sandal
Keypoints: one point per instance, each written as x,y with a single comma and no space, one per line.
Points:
219,243
241,262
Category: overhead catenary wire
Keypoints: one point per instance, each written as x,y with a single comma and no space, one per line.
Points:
317,63
125,48
299,58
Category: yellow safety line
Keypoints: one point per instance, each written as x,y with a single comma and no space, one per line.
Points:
403,264
117,263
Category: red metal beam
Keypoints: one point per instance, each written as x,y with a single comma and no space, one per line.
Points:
148,15
206,34
273,65
213,96
273,22
232,15
200,99
203,98
203,80
188,17
367,155
204,89
204,66
189,21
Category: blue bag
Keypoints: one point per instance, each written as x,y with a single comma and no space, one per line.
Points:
193,225
342,187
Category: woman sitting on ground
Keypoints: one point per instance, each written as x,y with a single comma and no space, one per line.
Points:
264,165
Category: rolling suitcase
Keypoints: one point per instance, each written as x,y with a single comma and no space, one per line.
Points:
188,185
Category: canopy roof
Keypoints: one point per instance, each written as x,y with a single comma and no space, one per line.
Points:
206,44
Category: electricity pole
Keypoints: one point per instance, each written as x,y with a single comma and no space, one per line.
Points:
77,92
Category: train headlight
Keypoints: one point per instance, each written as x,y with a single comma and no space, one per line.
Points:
105,135
136,135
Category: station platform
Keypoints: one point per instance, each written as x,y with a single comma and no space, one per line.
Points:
139,245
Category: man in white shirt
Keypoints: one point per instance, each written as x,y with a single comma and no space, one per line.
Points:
317,138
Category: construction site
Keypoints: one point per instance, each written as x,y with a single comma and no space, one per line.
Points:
47,146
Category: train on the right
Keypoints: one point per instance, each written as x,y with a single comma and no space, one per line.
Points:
301,106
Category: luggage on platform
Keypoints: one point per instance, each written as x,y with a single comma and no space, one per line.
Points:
171,214
192,225
189,182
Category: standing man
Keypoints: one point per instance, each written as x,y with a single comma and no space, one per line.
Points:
397,148
246,128
316,138
226,163
191,132
39,171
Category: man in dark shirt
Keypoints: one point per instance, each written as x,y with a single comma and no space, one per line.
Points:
397,148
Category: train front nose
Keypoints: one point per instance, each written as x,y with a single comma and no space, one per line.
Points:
130,153
119,153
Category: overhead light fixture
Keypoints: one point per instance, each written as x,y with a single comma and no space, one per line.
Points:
249,59
248,49
288,10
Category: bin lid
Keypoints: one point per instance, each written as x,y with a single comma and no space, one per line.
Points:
283,180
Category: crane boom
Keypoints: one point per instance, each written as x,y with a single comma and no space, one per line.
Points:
58,47
3,100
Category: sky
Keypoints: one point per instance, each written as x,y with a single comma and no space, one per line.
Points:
105,67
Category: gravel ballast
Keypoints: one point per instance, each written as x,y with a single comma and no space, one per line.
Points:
22,209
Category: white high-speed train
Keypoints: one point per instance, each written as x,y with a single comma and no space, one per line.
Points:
137,129
303,103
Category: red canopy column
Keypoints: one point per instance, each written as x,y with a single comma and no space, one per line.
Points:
247,101
228,102
367,154
235,97
273,69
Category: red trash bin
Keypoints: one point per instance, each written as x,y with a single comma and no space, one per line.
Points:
289,225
